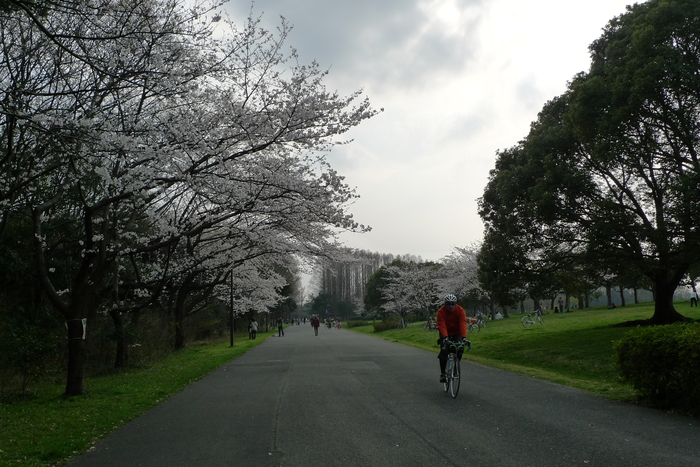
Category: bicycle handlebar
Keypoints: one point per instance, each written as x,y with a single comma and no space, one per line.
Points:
459,343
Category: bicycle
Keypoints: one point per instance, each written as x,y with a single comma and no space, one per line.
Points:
532,318
430,324
480,320
452,369
473,325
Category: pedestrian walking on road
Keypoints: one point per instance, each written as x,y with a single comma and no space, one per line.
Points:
253,329
280,327
315,323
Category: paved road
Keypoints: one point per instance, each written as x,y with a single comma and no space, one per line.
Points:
343,399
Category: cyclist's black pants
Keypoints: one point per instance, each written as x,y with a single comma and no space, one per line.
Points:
444,351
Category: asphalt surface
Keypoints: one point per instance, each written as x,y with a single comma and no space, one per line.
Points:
344,399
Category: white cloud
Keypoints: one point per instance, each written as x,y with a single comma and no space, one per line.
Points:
459,80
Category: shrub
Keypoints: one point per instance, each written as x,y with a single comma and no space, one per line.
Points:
663,364
390,322
356,323
30,347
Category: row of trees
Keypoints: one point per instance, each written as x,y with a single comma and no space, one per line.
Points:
345,276
604,188
147,162
342,281
407,286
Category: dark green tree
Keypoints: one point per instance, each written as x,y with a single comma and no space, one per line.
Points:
641,147
609,172
501,269
321,303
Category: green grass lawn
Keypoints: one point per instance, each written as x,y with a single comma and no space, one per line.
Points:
46,428
575,349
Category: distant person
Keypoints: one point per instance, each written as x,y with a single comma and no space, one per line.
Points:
452,325
253,329
315,323
280,327
693,298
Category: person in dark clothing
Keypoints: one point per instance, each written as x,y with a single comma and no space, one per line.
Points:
280,327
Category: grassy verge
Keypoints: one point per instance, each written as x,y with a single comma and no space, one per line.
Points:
47,429
574,349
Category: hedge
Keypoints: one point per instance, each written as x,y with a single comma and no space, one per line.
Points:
390,322
663,365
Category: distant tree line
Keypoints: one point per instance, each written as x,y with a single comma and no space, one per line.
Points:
342,282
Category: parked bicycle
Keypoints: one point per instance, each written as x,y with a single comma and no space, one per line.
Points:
452,369
430,324
476,323
532,318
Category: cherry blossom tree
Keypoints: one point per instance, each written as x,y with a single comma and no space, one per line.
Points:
410,287
130,133
459,272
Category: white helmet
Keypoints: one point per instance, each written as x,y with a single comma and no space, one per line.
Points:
450,298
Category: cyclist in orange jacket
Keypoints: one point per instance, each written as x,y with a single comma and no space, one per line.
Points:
452,324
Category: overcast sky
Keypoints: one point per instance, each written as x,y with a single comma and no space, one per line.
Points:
458,81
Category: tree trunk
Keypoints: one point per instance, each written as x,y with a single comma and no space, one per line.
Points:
179,325
505,312
608,293
535,303
77,352
664,311
622,296
180,310
636,298
121,358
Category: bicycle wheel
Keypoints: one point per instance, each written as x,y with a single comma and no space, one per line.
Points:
448,373
473,327
527,321
454,380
